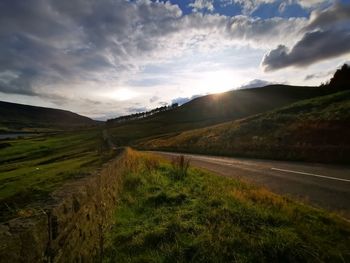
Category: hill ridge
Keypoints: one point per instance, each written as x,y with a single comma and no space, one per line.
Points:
16,116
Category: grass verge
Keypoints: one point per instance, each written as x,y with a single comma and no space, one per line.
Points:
200,217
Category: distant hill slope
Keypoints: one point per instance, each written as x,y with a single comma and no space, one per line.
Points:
314,130
15,116
239,103
213,109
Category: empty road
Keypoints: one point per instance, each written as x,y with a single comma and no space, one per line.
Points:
327,186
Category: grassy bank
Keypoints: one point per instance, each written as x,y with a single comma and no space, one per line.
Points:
211,109
31,168
168,214
310,130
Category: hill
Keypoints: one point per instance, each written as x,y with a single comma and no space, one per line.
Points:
310,130
15,116
212,109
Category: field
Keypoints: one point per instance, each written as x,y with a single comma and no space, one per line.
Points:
31,168
167,213
310,130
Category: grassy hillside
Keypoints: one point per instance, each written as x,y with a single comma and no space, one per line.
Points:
201,217
213,109
32,168
15,116
314,130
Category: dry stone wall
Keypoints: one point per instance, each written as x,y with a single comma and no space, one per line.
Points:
72,229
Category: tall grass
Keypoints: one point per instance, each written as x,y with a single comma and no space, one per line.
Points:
180,166
206,218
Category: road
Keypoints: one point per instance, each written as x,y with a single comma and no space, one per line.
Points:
322,185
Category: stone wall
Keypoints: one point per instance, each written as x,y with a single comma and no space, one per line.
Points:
72,229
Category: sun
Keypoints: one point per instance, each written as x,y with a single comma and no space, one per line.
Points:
123,94
217,81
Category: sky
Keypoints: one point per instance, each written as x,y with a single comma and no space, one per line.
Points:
106,58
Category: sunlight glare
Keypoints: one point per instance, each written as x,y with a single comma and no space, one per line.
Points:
218,81
123,94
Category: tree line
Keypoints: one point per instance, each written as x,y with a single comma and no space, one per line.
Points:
141,115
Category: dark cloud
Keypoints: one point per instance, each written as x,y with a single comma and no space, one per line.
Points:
256,83
20,86
65,41
313,47
337,14
319,75
327,36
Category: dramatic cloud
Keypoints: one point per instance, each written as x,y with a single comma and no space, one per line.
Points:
329,18
66,42
324,41
78,52
313,47
90,39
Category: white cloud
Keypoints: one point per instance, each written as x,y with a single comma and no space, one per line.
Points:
199,5
312,3
249,6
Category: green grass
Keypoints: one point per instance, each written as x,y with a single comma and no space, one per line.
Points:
206,218
211,109
32,168
310,130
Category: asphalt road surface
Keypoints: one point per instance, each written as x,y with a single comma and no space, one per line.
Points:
327,186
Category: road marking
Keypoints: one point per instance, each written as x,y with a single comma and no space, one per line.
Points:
315,175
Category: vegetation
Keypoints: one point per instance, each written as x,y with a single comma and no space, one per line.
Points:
32,168
212,109
205,218
15,116
141,115
340,80
310,130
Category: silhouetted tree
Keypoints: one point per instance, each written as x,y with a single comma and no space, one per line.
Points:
341,78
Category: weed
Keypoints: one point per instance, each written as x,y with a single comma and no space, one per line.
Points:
180,166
